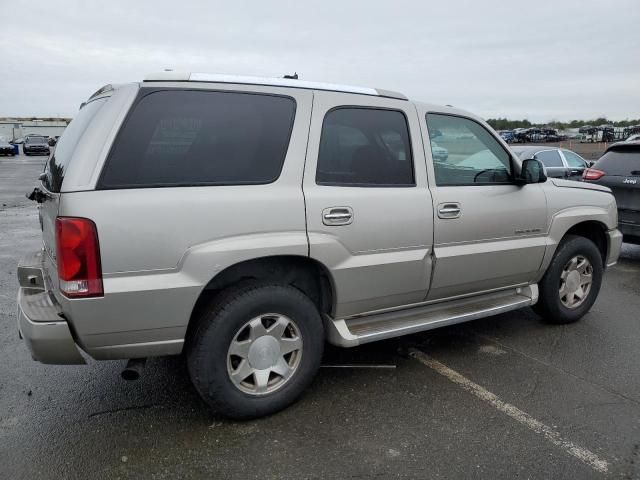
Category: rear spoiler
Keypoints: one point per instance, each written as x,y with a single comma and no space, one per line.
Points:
101,91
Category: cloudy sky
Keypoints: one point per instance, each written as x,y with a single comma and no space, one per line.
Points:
547,60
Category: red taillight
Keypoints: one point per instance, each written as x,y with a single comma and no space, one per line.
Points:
78,257
592,174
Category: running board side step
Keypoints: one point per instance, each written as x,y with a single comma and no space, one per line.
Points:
354,331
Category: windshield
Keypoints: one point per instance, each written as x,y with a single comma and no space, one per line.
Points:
36,140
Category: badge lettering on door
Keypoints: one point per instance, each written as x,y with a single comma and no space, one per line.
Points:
632,181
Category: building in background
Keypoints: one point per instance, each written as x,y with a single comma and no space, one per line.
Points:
12,129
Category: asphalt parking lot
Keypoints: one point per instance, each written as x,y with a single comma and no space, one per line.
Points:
504,397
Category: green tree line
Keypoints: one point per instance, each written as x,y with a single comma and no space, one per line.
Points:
506,124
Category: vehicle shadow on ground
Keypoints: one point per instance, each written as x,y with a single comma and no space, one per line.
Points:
106,421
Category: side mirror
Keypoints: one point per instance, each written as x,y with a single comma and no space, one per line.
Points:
532,172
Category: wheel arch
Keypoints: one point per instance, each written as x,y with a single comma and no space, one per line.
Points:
589,224
592,230
304,273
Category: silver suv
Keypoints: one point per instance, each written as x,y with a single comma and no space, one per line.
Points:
244,221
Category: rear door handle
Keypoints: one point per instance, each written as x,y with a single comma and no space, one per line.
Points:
449,210
337,216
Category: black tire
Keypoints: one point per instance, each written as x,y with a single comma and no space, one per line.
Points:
209,342
550,306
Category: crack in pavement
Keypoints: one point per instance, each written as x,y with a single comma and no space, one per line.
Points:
123,409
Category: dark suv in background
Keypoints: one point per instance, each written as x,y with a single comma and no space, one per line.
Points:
35,145
619,169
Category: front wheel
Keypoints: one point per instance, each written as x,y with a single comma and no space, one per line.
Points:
572,282
255,350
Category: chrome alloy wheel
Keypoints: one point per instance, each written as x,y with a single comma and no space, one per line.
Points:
575,281
264,354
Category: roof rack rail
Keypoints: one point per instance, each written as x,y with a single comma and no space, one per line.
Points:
287,81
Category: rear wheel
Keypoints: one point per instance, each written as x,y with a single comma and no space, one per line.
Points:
572,282
255,350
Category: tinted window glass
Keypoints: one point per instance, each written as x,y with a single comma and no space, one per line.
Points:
465,153
365,147
54,170
36,140
573,159
620,163
186,137
550,158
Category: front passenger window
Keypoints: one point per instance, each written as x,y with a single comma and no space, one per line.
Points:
574,160
465,153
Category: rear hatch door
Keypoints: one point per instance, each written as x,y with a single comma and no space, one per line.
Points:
622,174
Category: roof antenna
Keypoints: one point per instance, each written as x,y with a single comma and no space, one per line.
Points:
292,77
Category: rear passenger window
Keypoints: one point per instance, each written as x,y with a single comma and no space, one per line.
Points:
188,137
550,159
365,147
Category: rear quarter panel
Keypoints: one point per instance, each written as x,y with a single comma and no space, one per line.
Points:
160,246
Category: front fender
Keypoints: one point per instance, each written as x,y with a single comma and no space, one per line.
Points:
567,218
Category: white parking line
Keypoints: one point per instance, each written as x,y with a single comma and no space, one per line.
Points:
514,412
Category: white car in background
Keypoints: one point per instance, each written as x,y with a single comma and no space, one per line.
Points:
439,153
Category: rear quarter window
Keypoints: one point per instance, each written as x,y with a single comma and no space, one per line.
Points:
196,137
59,160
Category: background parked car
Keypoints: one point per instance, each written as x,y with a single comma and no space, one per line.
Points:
6,148
439,154
633,138
619,169
35,145
552,135
507,135
558,162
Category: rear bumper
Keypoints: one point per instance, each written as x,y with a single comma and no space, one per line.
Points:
40,323
614,244
37,150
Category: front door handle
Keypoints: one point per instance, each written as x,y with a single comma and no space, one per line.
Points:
449,210
337,216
